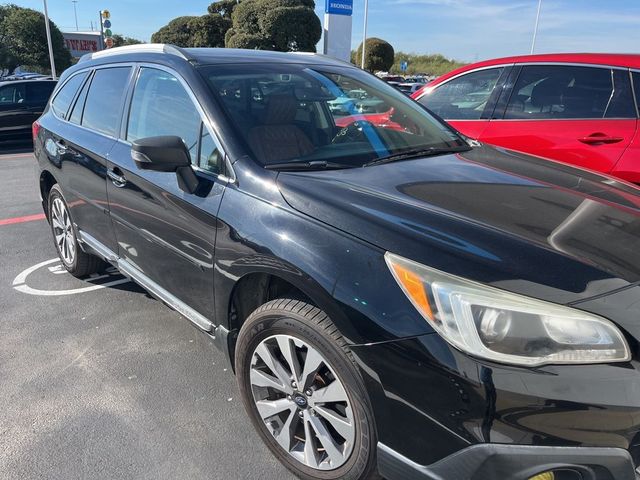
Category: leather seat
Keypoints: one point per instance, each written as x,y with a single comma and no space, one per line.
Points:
278,138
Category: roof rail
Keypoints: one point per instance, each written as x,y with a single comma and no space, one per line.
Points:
139,48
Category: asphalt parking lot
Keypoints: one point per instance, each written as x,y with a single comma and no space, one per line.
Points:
98,380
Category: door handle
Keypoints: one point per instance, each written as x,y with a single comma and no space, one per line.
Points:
596,138
116,177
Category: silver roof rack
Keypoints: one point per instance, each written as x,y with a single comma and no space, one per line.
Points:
140,48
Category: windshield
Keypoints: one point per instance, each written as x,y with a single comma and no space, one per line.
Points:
323,115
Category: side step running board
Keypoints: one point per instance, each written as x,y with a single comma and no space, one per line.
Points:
152,287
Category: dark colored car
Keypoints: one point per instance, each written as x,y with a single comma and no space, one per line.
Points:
577,108
400,302
21,103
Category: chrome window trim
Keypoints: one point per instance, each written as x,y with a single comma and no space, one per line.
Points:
204,118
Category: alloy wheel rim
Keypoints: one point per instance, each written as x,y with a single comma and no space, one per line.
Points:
302,402
63,231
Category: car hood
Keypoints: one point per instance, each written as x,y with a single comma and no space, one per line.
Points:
517,222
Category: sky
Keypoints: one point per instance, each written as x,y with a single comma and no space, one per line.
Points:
466,30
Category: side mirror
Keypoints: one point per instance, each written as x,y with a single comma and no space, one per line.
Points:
161,154
166,154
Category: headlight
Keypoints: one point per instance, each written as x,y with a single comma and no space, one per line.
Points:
505,327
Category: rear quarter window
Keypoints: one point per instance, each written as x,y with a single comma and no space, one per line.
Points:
64,97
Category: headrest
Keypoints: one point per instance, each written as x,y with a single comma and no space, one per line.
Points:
281,110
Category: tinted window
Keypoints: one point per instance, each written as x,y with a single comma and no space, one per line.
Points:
10,94
330,114
564,92
210,157
102,108
38,93
636,86
78,108
158,93
463,98
621,104
64,97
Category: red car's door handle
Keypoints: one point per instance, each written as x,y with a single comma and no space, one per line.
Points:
596,138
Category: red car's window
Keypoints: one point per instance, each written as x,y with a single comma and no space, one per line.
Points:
569,92
463,98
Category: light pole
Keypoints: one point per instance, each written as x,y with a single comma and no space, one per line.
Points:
46,25
75,12
364,35
535,29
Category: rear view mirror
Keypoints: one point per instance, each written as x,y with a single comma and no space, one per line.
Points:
165,154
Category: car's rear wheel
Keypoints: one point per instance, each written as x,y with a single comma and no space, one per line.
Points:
75,260
301,388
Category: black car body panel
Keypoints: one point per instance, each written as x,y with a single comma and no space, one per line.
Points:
489,215
522,224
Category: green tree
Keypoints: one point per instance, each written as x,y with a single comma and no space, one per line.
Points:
224,8
121,40
23,40
282,25
378,55
194,31
177,32
209,30
435,64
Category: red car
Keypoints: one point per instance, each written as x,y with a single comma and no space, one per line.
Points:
576,108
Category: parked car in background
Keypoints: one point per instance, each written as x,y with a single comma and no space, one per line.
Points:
409,88
21,103
397,303
576,108
393,78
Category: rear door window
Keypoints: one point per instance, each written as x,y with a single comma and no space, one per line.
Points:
544,92
465,97
64,97
104,100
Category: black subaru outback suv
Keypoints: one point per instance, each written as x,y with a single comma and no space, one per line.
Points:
394,299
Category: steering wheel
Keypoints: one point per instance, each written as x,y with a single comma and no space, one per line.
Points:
354,132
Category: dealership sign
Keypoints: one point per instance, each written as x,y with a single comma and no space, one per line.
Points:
79,43
338,7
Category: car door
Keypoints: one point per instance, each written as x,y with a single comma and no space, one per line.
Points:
14,115
163,232
628,167
466,101
582,115
85,135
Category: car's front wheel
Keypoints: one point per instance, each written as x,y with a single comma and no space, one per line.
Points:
301,388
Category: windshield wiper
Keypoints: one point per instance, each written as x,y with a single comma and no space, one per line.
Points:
313,165
422,152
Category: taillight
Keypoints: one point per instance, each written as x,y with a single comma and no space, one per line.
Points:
35,128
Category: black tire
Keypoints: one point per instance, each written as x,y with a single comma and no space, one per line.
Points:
82,263
303,321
